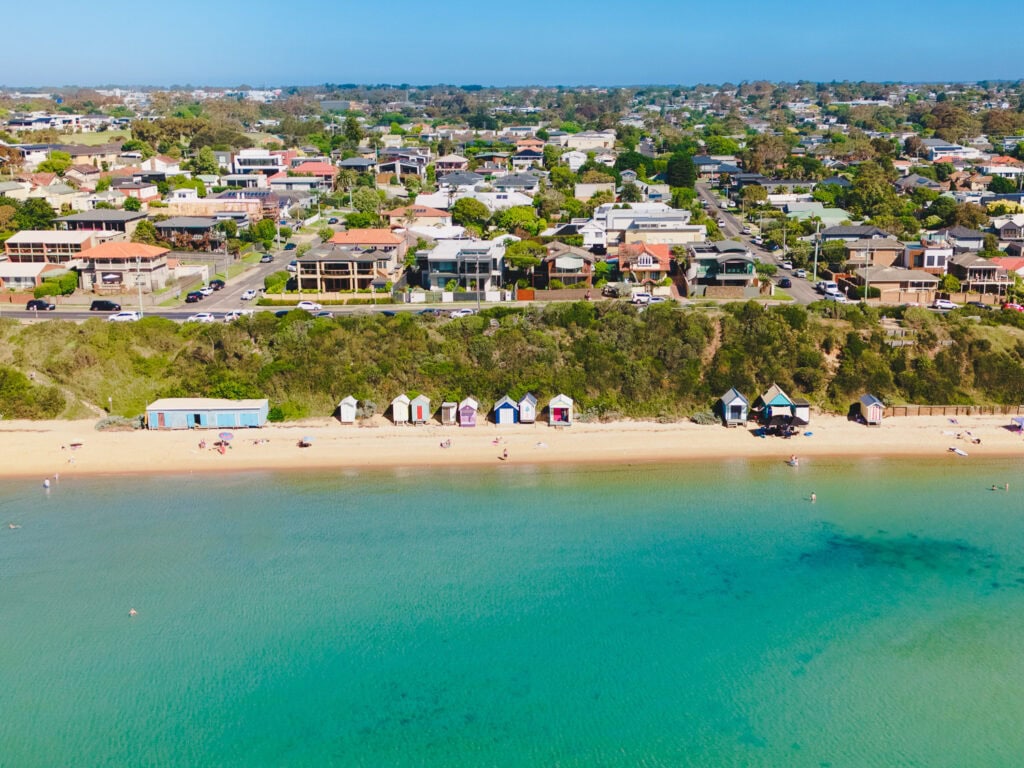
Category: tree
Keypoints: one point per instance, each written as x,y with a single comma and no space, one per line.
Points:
596,177
145,232
551,156
753,195
366,200
630,193
970,215
132,204
720,145
103,184
1001,185
949,283
944,208
765,152
56,162
229,228
524,255
353,130
325,233
680,171
518,218
467,211
205,162
913,146
35,213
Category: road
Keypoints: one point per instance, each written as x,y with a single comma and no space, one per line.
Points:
802,290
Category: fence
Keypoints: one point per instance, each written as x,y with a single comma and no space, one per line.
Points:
954,410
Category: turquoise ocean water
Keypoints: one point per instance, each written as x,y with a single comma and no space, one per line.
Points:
692,615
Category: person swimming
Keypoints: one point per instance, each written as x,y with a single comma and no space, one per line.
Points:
132,612
814,496
794,461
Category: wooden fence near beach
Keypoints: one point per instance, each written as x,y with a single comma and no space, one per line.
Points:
954,410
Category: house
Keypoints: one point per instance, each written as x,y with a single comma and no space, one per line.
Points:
325,173
420,409
412,215
143,191
870,409
506,411
774,402
103,220
447,164
931,254
1010,264
467,412
907,184
121,267
258,161
347,410
870,252
333,268
1011,229
205,413
527,409
449,413
893,282
283,182
162,163
47,246
526,159
574,159
645,263
26,276
462,180
476,265
85,175
584,192
964,239
194,233
524,183
976,273
378,239
591,140
850,233
560,410
723,263
572,267
734,408
358,164
400,409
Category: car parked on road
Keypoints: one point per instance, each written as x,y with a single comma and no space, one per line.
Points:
123,317
462,312
42,304
289,246
945,305
785,283
786,264
746,230
266,258
249,295
193,296
103,305
1011,306
217,284
201,317
610,291
309,306
799,273
206,290
657,300
837,297
332,220
235,314
641,298
292,266
980,305
323,313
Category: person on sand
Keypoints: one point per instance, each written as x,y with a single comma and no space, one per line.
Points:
504,455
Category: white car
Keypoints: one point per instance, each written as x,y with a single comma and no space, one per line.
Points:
123,317
657,300
641,298
206,290
786,264
800,273
235,314
945,304
836,296
249,295
201,317
309,306
462,313
293,266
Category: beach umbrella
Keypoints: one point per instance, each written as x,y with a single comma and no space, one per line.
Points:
226,436
307,439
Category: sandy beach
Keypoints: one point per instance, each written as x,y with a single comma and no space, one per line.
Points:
75,448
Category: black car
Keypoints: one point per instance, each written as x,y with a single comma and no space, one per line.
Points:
975,304
40,304
102,305
281,312
217,284
193,297
266,258
332,220
785,283
289,246
610,291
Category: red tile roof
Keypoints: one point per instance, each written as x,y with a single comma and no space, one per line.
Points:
316,169
419,212
126,251
366,237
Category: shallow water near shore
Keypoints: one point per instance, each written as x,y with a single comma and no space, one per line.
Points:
697,615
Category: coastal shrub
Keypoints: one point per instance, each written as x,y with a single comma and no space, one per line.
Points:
64,285
704,417
20,398
120,423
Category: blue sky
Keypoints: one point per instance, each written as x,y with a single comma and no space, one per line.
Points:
558,42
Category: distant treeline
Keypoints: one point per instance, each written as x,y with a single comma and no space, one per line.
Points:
616,361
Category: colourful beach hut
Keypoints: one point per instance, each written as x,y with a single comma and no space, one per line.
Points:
774,402
400,409
347,410
871,410
560,411
467,412
449,413
734,408
527,409
801,411
506,411
420,409
205,413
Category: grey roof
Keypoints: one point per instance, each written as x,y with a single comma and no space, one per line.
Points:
734,394
461,179
838,181
963,233
187,222
879,274
854,230
356,162
869,399
104,214
520,180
